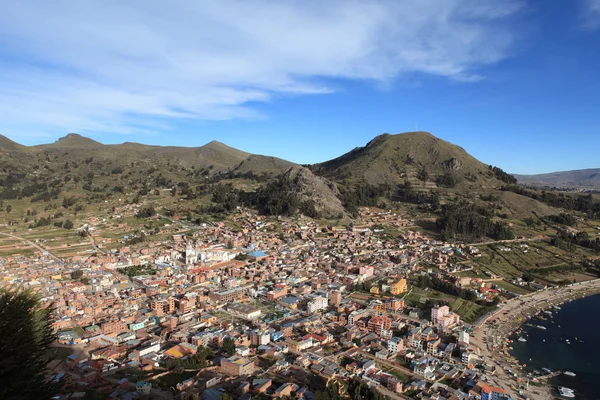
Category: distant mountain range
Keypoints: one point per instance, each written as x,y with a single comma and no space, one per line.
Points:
586,179
94,171
210,159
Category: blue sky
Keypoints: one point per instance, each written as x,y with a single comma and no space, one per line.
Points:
514,82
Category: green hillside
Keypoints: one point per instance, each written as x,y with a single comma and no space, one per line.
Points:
413,156
413,173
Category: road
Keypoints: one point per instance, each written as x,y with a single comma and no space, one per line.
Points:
93,242
533,239
389,364
388,393
40,248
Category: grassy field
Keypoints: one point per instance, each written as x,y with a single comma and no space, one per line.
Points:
420,295
512,288
172,379
474,273
468,310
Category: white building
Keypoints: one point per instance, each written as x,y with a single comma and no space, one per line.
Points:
191,256
152,348
463,337
395,344
320,303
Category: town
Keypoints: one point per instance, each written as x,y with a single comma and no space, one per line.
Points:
271,307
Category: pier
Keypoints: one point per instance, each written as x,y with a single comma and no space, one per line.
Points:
546,377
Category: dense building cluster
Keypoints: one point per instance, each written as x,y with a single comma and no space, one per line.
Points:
248,305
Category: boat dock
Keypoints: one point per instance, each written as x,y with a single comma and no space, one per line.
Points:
547,376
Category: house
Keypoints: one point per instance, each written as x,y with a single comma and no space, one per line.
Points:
181,350
492,393
395,345
242,351
399,287
237,366
69,338
285,390
143,387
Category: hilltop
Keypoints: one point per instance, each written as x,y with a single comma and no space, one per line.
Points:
587,179
413,156
72,141
211,159
7,145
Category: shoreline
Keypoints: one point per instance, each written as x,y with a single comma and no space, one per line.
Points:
492,335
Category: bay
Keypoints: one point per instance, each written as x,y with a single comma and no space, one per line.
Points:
579,323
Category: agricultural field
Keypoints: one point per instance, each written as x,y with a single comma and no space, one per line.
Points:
512,288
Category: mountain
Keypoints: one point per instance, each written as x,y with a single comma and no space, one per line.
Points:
414,167
313,192
72,141
588,179
7,145
412,156
211,159
260,165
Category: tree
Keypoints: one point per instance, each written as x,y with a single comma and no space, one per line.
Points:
146,212
68,224
77,274
228,346
25,336
8,209
423,175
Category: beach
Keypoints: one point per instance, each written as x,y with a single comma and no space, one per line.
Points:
491,336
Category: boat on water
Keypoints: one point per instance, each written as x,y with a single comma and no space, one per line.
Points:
541,327
566,392
569,373
522,339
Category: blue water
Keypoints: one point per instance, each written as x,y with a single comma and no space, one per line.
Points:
577,319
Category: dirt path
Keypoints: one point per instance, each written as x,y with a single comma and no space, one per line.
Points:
40,248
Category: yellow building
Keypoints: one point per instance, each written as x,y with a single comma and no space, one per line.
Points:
374,290
399,287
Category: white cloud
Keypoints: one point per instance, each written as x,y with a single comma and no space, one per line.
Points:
108,65
591,14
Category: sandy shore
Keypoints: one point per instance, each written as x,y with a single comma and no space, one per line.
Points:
491,335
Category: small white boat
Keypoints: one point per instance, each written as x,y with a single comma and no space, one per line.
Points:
566,392
569,373
522,339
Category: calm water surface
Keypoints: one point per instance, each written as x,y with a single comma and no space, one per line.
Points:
579,322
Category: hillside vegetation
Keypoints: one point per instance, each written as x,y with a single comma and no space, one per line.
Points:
50,185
